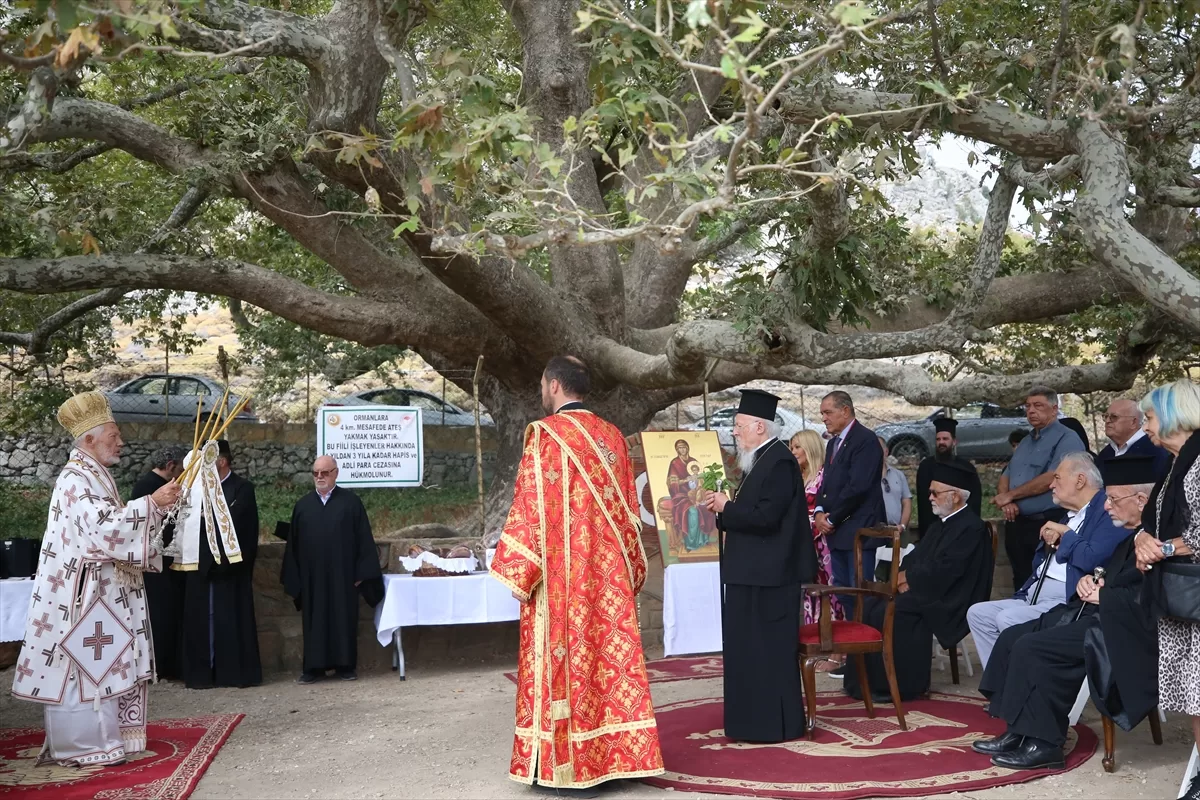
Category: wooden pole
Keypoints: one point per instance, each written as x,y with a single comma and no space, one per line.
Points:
167,389
479,454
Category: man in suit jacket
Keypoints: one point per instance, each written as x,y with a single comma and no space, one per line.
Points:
1123,427
1084,542
768,555
220,634
851,494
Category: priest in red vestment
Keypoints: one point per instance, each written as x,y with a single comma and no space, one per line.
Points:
571,553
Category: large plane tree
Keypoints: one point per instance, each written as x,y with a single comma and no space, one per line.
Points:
673,191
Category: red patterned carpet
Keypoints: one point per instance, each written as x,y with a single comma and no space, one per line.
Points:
178,753
679,668
851,757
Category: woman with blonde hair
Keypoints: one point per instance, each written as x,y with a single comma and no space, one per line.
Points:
809,450
1168,552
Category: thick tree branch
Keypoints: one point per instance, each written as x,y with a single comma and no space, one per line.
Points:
233,25
1178,196
57,163
990,122
366,321
1099,213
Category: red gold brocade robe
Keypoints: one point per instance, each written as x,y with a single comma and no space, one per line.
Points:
571,551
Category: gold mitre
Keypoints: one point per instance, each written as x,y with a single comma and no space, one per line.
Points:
83,412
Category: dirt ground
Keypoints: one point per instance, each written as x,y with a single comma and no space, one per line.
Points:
446,732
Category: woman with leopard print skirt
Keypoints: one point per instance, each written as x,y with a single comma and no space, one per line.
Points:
1173,421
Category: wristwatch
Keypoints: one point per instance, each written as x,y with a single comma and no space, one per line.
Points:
1168,549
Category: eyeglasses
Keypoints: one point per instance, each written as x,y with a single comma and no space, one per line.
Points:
1112,499
1115,417
323,473
935,493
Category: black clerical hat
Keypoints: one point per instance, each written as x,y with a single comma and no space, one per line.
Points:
223,449
946,425
757,403
952,474
1127,470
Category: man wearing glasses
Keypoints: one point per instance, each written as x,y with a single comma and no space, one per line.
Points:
1123,427
330,551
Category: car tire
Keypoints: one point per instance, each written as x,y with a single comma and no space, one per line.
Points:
908,447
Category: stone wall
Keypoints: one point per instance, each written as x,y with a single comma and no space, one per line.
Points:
271,452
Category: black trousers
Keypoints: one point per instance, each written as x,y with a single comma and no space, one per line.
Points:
764,697
1035,672
912,646
1021,537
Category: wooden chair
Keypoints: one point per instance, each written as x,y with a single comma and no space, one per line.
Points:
954,650
827,637
1109,761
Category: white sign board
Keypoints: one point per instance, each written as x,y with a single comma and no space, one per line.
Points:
375,446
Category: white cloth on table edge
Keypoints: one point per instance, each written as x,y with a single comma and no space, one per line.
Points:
692,608
454,600
15,597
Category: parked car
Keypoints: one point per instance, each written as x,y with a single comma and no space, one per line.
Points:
983,430
721,421
171,398
434,410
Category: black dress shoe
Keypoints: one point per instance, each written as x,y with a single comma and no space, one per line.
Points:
306,678
1032,754
1005,743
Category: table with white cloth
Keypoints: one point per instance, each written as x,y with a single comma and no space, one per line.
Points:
458,600
15,597
692,608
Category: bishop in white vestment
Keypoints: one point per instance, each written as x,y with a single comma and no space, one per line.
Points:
87,654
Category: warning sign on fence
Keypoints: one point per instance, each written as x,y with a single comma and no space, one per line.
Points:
375,446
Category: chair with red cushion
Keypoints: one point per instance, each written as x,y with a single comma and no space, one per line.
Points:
826,637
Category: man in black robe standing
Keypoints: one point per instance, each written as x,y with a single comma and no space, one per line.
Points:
220,634
330,551
950,569
1103,634
768,554
164,590
945,451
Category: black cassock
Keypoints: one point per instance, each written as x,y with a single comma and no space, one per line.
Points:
768,555
925,515
1036,669
164,594
329,549
949,571
220,634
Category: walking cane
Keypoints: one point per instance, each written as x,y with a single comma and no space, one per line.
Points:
1037,590
1097,576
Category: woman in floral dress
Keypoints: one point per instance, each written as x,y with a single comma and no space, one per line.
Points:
809,450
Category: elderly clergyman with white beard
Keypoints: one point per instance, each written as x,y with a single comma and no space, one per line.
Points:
950,569
768,554
88,652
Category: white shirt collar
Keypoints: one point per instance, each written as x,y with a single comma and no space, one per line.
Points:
952,513
325,497
1075,518
1123,449
765,444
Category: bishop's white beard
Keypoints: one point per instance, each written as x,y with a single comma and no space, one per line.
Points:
745,458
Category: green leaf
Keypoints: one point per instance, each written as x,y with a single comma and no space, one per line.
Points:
697,14
728,67
409,225
852,14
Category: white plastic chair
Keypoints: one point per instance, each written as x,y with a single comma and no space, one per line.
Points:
1192,767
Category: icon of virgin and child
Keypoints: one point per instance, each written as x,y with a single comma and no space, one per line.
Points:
694,524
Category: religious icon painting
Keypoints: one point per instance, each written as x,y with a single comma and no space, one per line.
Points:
676,463
97,641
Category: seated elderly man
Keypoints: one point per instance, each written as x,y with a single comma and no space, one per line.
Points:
1084,543
950,569
1103,634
